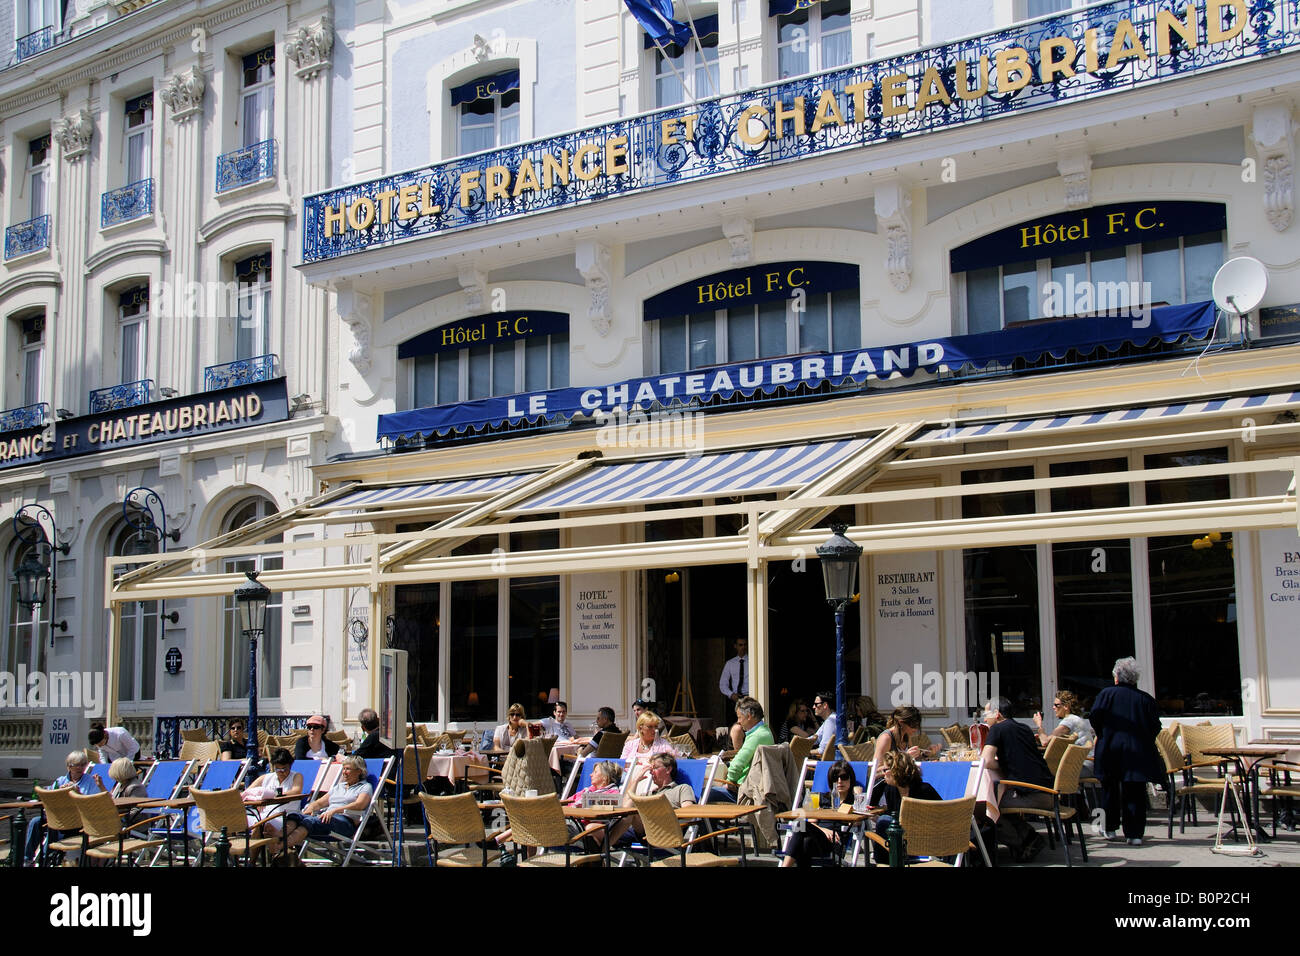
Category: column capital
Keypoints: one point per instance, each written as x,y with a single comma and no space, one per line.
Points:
310,47
183,93
74,133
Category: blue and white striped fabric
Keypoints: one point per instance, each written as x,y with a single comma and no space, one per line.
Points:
429,490
1242,404
705,476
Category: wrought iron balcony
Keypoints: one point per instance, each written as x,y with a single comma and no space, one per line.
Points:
30,236
34,43
252,164
125,395
260,368
29,416
129,202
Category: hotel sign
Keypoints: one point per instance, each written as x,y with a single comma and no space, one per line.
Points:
185,417
1096,50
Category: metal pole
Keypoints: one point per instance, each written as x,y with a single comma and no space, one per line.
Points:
841,714
250,735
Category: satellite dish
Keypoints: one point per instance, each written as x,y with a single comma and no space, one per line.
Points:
1239,285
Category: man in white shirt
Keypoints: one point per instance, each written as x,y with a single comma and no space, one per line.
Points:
556,725
734,683
826,732
113,742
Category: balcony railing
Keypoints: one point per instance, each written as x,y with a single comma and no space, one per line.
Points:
125,395
30,236
260,368
252,164
130,202
29,416
167,729
34,43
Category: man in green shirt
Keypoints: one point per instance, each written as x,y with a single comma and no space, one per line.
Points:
749,713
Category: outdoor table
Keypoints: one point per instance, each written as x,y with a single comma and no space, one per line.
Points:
851,821
275,803
1248,771
605,815
564,748
737,813
452,765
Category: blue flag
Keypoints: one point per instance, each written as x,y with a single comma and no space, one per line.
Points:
656,18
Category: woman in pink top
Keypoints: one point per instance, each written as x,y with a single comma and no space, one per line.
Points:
647,742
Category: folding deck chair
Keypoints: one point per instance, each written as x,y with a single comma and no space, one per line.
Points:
378,771
164,781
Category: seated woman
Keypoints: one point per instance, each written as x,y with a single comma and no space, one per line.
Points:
901,778
338,813
799,722
818,840
515,728
1066,707
646,743
904,724
122,771
605,777
283,780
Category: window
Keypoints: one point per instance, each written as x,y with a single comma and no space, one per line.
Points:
32,350
257,96
825,321
133,332
26,632
814,39
139,138
40,14
531,364
38,172
687,64
137,664
1042,8
487,112
234,678
253,281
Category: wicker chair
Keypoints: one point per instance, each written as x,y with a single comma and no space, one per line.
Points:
198,735
857,753
225,808
685,744
1066,784
105,837
664,832
1055,750
611,745
955,735
933,828
456,821
527,767
801,747
1282,789
61,814
193,750
538,822
1199,738
1182,787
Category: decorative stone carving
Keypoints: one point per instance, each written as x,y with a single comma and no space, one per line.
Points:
894,216
474,282
356,309
74,134
311,46
1076,172
1272,130
593,261
482,50
183,93
740,233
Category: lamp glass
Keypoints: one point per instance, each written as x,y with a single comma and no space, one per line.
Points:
33,581
251,598
839,558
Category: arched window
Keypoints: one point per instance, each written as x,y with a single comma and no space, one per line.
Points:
234,667
137,665
25,637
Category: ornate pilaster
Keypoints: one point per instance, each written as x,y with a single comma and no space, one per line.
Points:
593,262
310,47
740,233
356,309
183,93
474,282
1272,131
74,134
1076,172
894,218
67,330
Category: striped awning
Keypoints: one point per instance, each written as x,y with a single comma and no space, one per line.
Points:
390,495
702,476
991,431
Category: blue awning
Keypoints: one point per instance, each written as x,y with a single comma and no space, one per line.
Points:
428,491
704,26
779,8
784,375
485,87
702,476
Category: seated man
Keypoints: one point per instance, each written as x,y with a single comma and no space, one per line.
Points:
1012,752
749,715
604,722
659,778
555,725
822,710
77,763
338,813
371,748
236,747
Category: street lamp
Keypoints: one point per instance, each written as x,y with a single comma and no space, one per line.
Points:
250,607
839,557
137,511
38,580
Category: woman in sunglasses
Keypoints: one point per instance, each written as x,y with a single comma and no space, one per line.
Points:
815,840
314,746
283,780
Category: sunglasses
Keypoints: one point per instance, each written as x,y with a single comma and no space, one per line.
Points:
315,726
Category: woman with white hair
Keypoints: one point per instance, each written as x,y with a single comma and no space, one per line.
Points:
1126,721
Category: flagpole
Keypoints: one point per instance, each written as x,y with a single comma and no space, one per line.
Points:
680,79
700,47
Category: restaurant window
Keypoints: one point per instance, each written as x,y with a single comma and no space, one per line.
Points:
31,351
534,628
38,176
138,637
814,39
253,307
1197,664
133,333
528,363
257,97
1001,599
696,66
139,138
486,112
234,657
27,630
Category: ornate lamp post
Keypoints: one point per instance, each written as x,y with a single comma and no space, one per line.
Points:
839,557
150,530
250,606
38,580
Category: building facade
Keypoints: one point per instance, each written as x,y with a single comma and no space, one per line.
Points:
623,325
